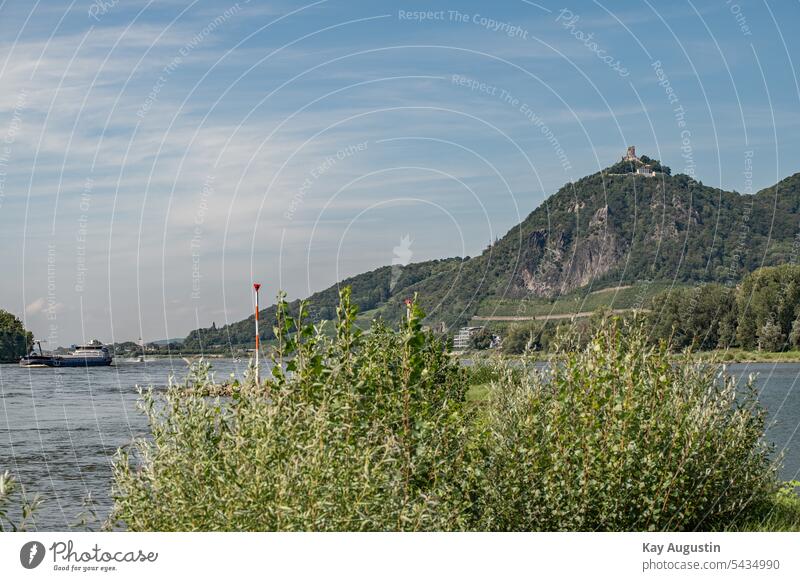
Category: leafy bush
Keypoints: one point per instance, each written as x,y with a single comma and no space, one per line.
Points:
615,436
373,432
361,432
529,336
770,337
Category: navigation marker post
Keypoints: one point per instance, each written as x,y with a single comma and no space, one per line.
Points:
256,287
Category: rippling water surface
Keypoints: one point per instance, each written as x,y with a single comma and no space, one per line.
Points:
59,429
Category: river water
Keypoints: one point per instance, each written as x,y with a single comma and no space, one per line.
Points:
60,428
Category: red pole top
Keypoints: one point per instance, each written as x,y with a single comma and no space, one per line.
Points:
256,286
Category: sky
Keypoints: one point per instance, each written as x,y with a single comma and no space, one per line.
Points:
156,158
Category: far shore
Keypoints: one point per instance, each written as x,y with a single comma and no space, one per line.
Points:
715,355
472,357
744,356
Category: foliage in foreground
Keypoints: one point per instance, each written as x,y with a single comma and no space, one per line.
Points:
782,514
374,432
615,436
362,432
10,492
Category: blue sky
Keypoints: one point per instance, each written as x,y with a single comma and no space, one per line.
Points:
156,157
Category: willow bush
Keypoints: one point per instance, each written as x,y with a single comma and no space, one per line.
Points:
373,432
21,514
617,435
357,432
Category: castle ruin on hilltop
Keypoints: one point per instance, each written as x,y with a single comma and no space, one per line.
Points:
643,169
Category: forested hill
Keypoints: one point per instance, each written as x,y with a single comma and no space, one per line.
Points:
610,228
371,290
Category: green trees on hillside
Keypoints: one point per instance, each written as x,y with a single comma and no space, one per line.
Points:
770,298
704,317
762,313
382,290
15,341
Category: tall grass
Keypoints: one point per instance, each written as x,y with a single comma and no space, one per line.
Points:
782,514
374,432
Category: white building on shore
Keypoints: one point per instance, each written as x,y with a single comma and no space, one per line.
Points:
462,339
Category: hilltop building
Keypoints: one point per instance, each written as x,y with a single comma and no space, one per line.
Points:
631,155
642,169
645,171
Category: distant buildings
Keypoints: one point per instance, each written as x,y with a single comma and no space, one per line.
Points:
462,339
646,171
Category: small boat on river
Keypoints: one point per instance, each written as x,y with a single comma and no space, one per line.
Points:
93,354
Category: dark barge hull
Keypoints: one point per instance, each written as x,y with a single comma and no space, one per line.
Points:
44,361
36,361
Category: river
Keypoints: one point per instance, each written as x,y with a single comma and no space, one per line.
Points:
59,429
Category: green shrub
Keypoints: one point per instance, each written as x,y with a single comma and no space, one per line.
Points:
358,432
527,337
783,514
616,436
373,432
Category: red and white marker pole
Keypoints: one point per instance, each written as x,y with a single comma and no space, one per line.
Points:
256,287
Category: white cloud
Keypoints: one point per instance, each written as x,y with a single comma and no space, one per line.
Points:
42,306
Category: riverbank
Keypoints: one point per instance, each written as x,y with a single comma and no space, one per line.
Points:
717,355
745,356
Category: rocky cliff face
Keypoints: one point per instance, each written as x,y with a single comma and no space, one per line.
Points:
563,263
